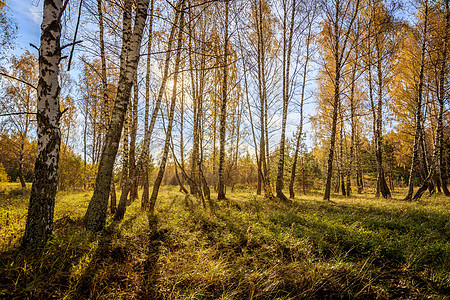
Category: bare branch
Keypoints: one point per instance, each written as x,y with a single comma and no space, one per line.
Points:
17,114
35,47
18,79
71,44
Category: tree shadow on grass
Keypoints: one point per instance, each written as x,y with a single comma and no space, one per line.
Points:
402,244
396,248
78,264
103,255
119,268
148,288
45,272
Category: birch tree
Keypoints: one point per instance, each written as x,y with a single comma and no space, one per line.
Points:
288,32
223,109
162,166
144,154
443,74
146,189
418,104
311,14
39,225
96,213
337,40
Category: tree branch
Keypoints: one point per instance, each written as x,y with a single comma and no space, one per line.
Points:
17,114
34,46
18,79
75,36
71,44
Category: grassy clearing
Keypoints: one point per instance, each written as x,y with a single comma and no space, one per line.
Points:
250,248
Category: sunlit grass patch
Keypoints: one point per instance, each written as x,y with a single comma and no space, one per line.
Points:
248,247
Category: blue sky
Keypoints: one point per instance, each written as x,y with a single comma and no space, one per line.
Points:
28,16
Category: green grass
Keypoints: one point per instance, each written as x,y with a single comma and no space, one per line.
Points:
251,248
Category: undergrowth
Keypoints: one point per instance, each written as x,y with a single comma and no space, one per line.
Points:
249,248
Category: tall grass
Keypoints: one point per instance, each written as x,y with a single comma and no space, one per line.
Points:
249,248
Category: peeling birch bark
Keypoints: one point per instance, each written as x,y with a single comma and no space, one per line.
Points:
39,224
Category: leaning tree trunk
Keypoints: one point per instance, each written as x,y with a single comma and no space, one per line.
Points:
162,166
428,180
39,223
96,213
428,170
144,154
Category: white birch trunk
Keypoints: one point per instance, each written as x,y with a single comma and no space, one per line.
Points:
39,224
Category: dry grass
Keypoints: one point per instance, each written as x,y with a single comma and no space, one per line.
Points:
251,248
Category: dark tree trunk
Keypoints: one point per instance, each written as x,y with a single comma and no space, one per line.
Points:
146,162
96,213
144,154
353,124
287,49
104,77
294,163
418,126
384,189
339,41
181,179
334,116
441,168
125,151
113,198
194,183
263,142
223,111
132,158
180,182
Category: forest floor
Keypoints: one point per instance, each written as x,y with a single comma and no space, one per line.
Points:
250,248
